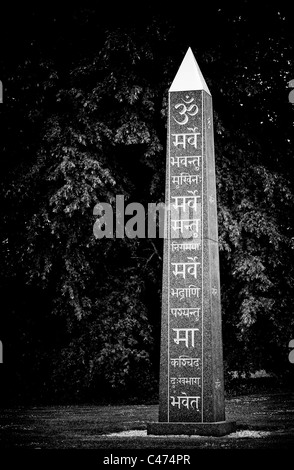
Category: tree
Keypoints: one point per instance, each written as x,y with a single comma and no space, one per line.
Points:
93,122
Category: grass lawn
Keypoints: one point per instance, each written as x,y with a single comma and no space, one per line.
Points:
264,421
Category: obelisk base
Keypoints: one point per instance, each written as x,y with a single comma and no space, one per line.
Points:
220,428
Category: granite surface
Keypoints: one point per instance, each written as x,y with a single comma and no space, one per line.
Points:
191,362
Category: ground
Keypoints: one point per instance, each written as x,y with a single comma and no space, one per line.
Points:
264,421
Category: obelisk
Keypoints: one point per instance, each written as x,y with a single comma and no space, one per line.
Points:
191,396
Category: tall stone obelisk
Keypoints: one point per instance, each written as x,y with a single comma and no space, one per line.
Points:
191,362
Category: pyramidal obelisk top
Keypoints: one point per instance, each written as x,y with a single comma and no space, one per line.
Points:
189,76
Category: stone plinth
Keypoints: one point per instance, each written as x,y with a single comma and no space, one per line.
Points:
217,429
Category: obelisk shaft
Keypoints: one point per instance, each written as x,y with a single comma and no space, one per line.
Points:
191,362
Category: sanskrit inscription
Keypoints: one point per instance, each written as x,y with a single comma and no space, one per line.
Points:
185,381
185,335
186,111
186,139
185,160
185,401
185,292
185,254
186,312
183,361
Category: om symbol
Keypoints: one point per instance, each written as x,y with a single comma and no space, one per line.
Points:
291,94
185,111
291,354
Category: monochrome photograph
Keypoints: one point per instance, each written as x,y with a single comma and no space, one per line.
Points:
147,232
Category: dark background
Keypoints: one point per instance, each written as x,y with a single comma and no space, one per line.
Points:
84,119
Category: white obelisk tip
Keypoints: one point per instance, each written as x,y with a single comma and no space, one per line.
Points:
189,76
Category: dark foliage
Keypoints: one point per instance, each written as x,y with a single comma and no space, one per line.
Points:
83,120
